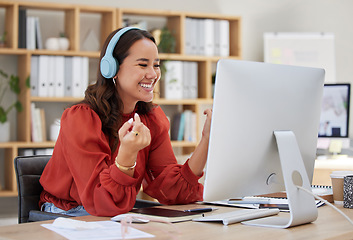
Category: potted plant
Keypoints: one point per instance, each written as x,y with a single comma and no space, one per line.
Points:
3,39
167,41
7,83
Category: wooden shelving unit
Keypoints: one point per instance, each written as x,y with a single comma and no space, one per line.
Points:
110,19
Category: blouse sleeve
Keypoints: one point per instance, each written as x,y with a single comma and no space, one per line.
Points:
103,190
167,181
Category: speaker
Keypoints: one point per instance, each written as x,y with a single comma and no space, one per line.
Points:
109,66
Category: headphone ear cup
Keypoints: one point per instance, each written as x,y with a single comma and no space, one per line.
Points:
108,66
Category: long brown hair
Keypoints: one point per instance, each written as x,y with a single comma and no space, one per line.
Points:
103,97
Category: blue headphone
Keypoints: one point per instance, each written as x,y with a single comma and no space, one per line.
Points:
109,65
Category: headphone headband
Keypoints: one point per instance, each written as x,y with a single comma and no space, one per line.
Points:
109,66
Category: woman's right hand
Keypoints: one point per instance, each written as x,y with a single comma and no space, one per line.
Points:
133,136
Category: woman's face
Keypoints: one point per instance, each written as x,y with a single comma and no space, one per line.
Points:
138,74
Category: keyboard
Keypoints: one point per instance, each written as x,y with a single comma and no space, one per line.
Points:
237,215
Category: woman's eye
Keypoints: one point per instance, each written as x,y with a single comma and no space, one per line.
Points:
143,65
157,65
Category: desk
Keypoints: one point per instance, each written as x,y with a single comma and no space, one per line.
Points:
329,225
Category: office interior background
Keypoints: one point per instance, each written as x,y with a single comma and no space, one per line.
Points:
258,17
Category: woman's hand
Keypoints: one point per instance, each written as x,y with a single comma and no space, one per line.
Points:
198,159
133,136
207,126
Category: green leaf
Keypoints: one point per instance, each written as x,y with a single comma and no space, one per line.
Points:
3,117
3,74
28,82
15,84
18,106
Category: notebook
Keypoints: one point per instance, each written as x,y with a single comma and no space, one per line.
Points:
158,213
324,192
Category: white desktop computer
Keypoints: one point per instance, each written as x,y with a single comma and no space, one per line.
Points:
264,134
334,120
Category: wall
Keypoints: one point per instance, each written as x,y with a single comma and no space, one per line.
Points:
261,16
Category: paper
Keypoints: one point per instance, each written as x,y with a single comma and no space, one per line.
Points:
335,146
281,203
102,230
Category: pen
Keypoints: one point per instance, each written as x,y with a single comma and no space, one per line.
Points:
201,210
254,201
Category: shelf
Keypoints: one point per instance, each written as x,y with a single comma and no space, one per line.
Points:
47,144
6,193
75,20
183,144
11,51
63,53
162,101
195,58
55,99
159,101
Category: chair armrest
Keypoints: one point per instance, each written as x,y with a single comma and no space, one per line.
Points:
36,215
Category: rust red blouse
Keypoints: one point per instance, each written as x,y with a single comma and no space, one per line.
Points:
82,170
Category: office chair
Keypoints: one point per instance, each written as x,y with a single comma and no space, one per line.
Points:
28,171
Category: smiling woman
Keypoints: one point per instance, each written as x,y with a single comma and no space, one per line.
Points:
115,140
138,74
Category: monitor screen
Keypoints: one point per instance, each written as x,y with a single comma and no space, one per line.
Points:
251,101
334,119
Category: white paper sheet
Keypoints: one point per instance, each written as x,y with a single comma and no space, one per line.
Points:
107,230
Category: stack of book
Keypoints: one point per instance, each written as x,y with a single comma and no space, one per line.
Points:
207,37
37,151
38,130
180,80
184,127
59,76
29,33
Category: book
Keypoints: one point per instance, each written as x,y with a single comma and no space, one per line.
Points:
208,37
68,77
190,126
30,33
84,75
36,129
181,127
164,214
22,27
59,77
76,77
51,73
174,131
34,75
194,36
190,77
173,80
324,192
224,38
38,34
188,36
42,125
43,76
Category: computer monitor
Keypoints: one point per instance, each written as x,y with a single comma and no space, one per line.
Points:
334,119
252,100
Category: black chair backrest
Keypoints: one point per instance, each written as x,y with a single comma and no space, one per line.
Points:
28,171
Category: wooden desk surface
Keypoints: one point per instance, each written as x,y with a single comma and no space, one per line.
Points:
329,225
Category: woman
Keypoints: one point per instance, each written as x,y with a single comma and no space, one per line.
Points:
115,140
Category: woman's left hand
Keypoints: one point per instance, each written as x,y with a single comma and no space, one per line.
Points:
207,125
